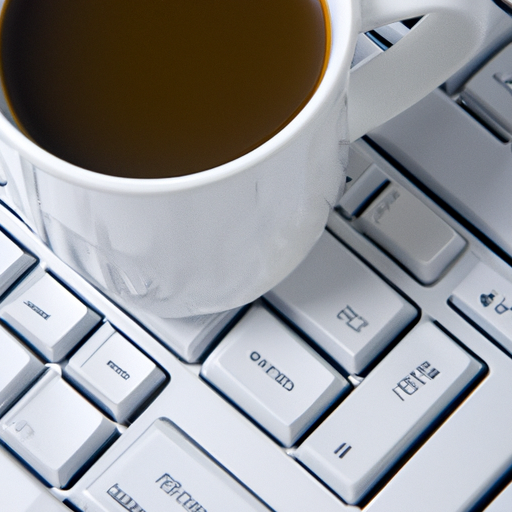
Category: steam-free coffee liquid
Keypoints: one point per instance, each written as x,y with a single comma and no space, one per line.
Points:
159,88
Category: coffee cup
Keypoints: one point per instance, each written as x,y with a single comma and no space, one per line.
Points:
219,238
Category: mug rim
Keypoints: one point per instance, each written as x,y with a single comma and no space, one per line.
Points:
342,33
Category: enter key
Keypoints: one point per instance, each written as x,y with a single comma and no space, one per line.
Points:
368,433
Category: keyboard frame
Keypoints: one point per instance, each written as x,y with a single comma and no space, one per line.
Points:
235,442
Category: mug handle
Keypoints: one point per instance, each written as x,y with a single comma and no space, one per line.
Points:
448,35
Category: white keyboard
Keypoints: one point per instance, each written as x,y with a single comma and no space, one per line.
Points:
377,376
377,373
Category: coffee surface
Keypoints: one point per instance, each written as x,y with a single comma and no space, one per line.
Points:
159,88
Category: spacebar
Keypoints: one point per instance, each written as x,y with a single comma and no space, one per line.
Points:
462,461
163,470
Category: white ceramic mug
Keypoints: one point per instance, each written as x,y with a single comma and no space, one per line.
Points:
220,238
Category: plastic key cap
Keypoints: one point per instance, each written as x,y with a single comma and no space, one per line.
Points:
48,316
342,304
18,369
55,430
360,191
164,470
14,262
115,373
190,336
22,492
380,420
411,232
265,368
485,297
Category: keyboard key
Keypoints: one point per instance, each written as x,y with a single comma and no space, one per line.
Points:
188,337
18,369
355,446
114,373
163,470
412,233
488,93
48,316
342,305
14,262
360,192
357,163
21,492
270,373
463,460
486,298
55,430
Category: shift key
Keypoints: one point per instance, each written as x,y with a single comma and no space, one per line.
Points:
362,439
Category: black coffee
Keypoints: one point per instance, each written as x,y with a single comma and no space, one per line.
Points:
158,88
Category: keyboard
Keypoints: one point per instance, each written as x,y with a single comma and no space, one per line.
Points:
376,377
